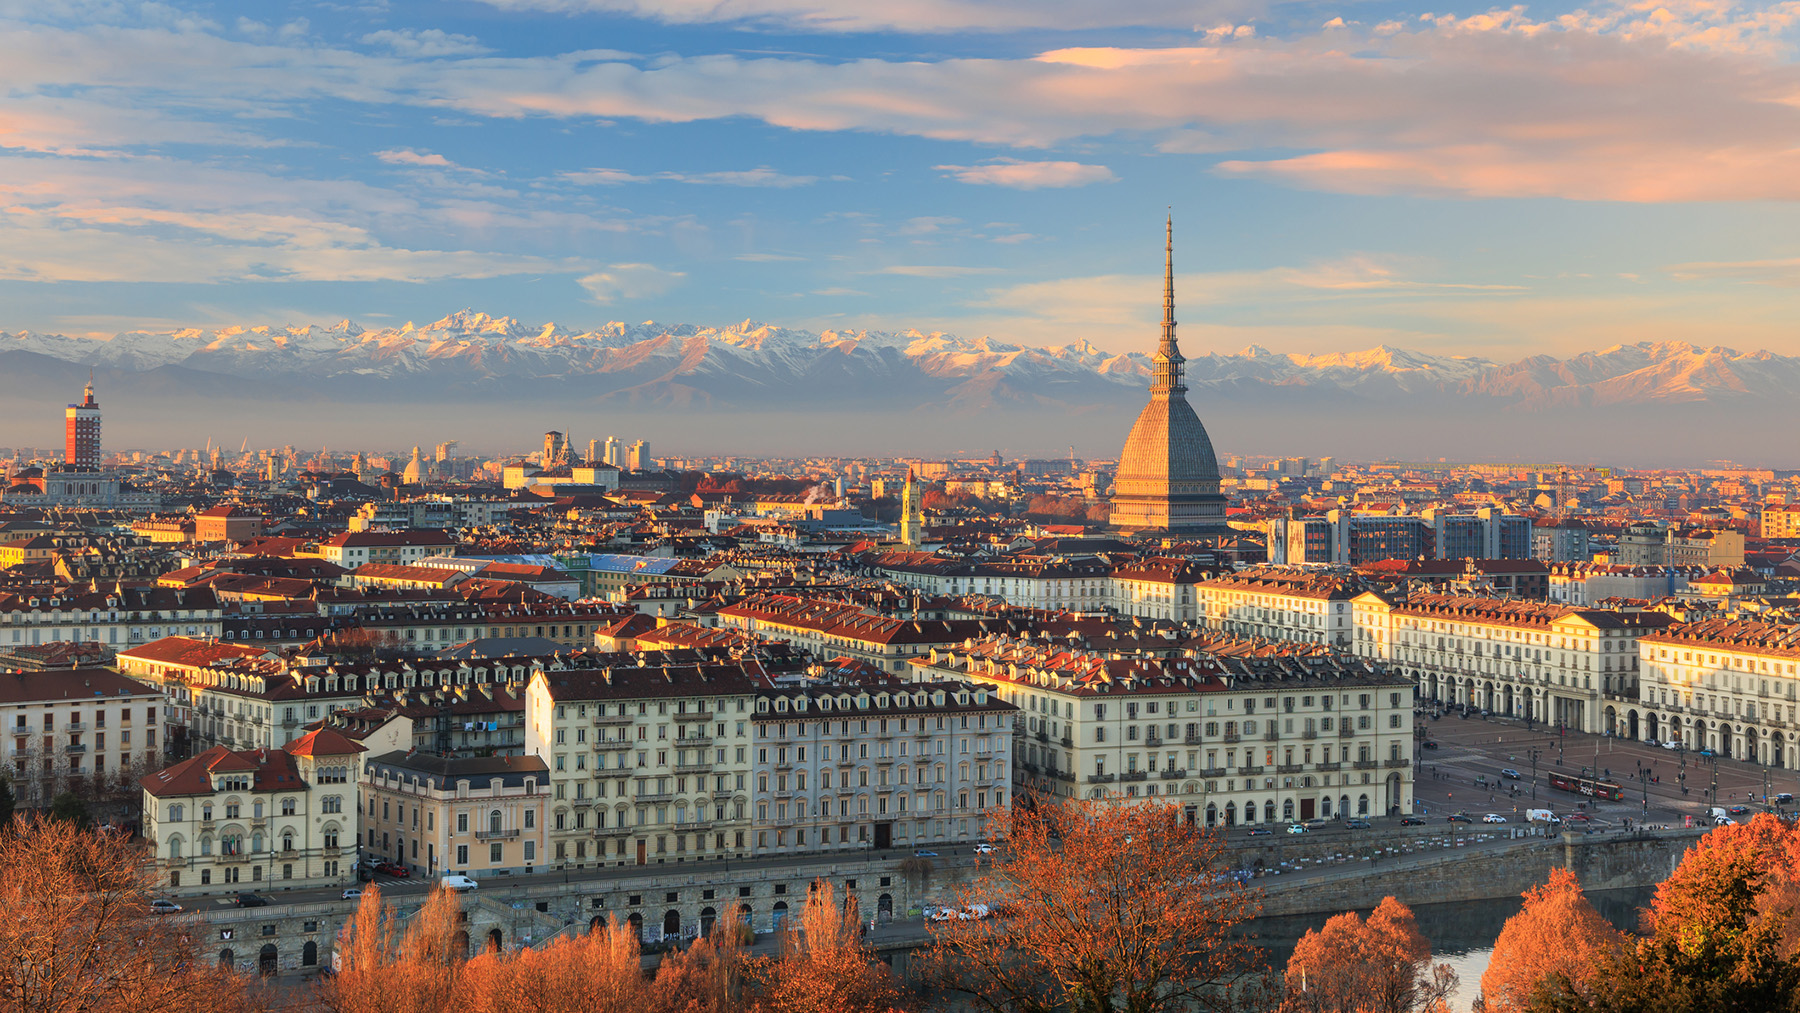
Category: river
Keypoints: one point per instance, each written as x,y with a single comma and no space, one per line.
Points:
1462,934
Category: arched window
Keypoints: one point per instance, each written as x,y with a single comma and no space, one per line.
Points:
175,813
256,843
287,841
175,847
206,844
494,821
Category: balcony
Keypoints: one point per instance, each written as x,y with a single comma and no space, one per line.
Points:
1396,763
1191,739
695,715
1309,734
615,719
495,835
1331,766
1068,742
722,794
238,859
74,747
1271,736
1231,736
330,852
1247,771
1173,774
618,772
1289,768
654,796
604,832
702,767
1134,775
1100,778
1043,736
694,738
1153,741
1363,764
1346,732
75,726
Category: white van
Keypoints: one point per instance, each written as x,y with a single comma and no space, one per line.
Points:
1542,816
459,884
1720,817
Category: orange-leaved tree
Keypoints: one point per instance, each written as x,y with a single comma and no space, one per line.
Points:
824,966
1715,942
386,969
1556,933
707,977
1102,905
598,972
1381,964
78,935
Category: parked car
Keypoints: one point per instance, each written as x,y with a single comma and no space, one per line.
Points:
1431,744
1738,810
251,900
984,849
1510,774
1459,818
1785,798
1579,816
164,907
1672,744
1259,832
1296,828
922,853
1493,818
1356,824
459,884
392,869
1411,821
354,893
1317,822
1707,752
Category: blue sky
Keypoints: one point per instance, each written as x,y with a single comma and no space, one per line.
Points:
1467,180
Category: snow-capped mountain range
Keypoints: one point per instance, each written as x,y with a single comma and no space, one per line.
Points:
753,365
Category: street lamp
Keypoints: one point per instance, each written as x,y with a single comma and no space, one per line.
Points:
1534,758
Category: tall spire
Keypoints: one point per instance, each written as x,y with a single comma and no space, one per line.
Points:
1165,380
1168,334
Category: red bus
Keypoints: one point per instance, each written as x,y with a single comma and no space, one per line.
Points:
1588,786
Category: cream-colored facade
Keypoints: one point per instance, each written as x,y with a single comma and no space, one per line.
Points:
646,765
1280,732
1557,664
1728,685
483,816
250,820
1308,606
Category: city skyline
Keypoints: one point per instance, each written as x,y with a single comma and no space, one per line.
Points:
178,166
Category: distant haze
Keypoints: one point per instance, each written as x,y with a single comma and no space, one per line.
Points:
495,385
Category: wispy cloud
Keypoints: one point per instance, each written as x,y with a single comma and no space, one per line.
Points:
407,156
1021,175
935,270
629,281
426,43
1784,272
921,16
760,176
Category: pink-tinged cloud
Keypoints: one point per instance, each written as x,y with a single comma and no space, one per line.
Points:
919,16
407,156
1021,175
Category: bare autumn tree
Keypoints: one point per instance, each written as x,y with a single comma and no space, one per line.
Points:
707,977
823,966
78,935
1381,964
384,969
1557,932
597,972
1104,906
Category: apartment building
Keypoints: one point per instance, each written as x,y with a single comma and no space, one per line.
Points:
832,628
1725,684
1654,545
648,763
876,761
88,724
231,820
1308,606
120,617
351,549
1152,588
1246,732
1589,584
472,816
1559,664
